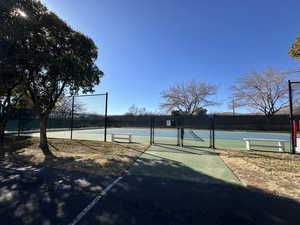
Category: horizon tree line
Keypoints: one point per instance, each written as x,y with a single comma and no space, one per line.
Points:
264,92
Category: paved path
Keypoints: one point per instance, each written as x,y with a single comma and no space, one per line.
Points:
169,161
174,186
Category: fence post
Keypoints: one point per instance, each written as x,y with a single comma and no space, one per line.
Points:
106,119
72,117
151,127
181,135
291,118
213,131
178,136
19,123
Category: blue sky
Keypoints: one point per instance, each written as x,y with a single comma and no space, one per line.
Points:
147,45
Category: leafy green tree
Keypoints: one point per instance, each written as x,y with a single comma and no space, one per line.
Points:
197,112
57,60
11,54
295,49
200,111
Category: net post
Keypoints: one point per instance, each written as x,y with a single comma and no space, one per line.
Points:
105,120
291,118
72,117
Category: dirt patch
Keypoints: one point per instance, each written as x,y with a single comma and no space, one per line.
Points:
278,173
95,157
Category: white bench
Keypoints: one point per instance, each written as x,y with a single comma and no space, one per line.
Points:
115,137
280,143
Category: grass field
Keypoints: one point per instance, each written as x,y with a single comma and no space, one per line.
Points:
277,173
93,157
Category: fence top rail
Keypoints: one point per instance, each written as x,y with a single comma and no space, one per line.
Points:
88,95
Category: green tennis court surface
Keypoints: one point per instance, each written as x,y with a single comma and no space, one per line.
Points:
182,164
223,139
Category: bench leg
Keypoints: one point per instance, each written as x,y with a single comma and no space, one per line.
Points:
112,137
130,140
281,146
248,145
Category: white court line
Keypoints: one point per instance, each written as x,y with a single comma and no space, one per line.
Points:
94,202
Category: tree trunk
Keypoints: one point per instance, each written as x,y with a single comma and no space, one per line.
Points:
43,136
2,129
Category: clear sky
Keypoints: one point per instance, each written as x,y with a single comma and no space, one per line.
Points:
147,45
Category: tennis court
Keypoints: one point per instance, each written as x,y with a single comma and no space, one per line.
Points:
192,137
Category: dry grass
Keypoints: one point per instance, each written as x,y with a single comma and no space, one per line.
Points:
278,173
100,158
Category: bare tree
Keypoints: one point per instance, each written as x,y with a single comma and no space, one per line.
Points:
137,111
64,106
188,98
266,92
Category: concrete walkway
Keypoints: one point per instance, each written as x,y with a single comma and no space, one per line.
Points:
179,163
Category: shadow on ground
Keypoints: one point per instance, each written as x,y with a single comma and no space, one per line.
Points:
41,195
13,143
167,192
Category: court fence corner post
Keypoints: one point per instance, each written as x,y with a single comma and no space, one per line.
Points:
19,123
181,136
72,117
106,118
151,127
291,119
213,132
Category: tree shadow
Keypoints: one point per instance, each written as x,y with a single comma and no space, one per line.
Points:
13,144
156,191
181,195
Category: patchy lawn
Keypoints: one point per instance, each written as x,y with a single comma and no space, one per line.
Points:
94,157
278,173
